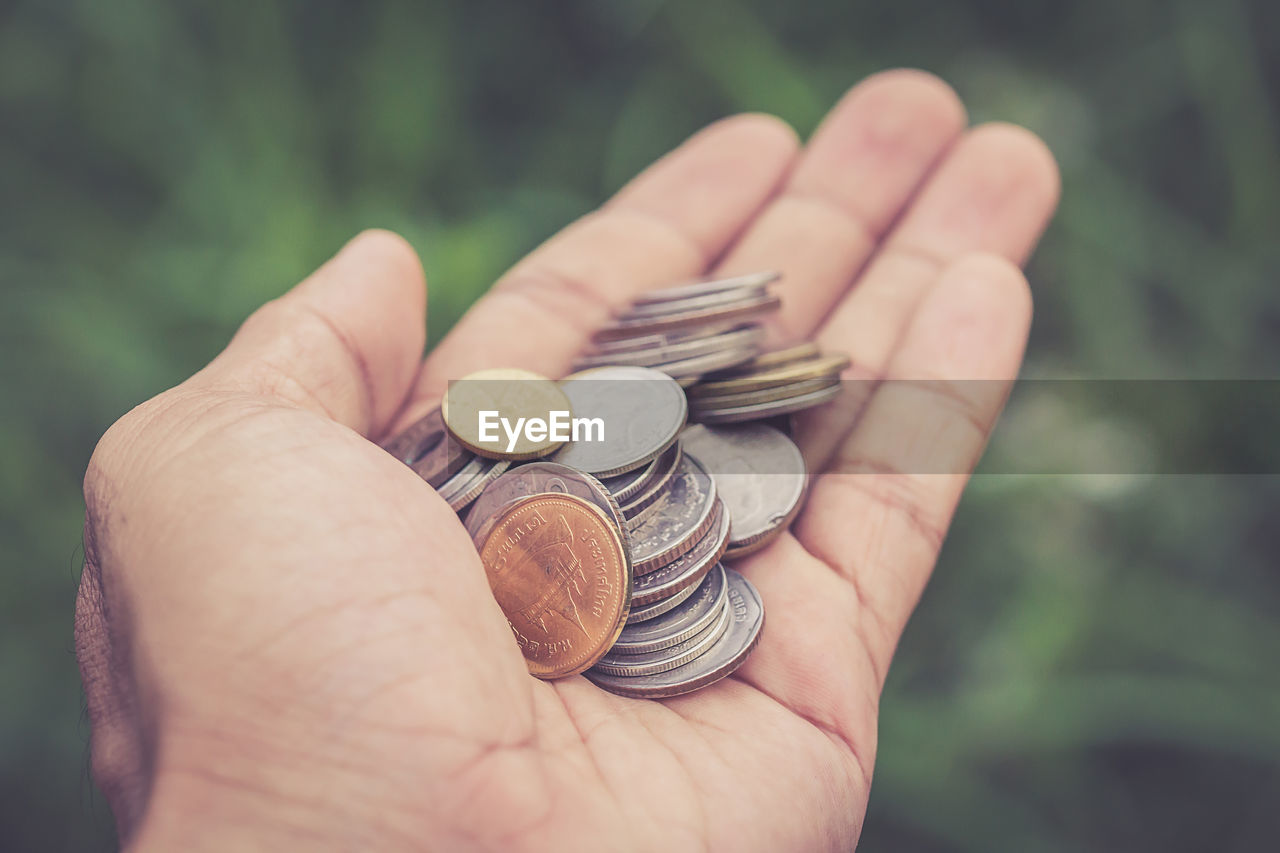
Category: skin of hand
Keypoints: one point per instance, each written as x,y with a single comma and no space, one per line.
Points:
287,640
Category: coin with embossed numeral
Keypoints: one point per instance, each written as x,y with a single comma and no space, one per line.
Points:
724,656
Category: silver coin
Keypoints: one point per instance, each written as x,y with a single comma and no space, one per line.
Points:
639,505
759,472
679,518
642,411
720,660
427,448
538,478
650,353
679,623
694,368
466,485
707,285
645,612
689,568
695,303
625,487
738,311
760,411
661,660
657,340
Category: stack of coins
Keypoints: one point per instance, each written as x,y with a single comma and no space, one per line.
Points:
689,330
607,553
781,382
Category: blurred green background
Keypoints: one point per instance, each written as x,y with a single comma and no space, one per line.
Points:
1094,666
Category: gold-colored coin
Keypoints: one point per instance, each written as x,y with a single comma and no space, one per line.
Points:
827,366
770,360
507,413
560,573
757,396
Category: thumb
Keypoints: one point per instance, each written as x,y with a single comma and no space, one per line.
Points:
346,342
265,591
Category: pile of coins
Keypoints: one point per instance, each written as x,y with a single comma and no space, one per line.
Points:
689,330
607,556
770,384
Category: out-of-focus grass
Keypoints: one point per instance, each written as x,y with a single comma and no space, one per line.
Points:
1094,664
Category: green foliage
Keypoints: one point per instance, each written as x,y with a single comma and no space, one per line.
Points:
1094,664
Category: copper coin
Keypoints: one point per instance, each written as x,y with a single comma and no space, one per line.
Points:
559,572
427,448
540,478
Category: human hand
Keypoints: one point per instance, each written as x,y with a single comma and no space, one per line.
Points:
287,639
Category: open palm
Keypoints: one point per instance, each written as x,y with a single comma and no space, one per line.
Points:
287,637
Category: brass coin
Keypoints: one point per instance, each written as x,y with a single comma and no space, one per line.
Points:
762,411
520,398
559,571
760,395
769,360
814,368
